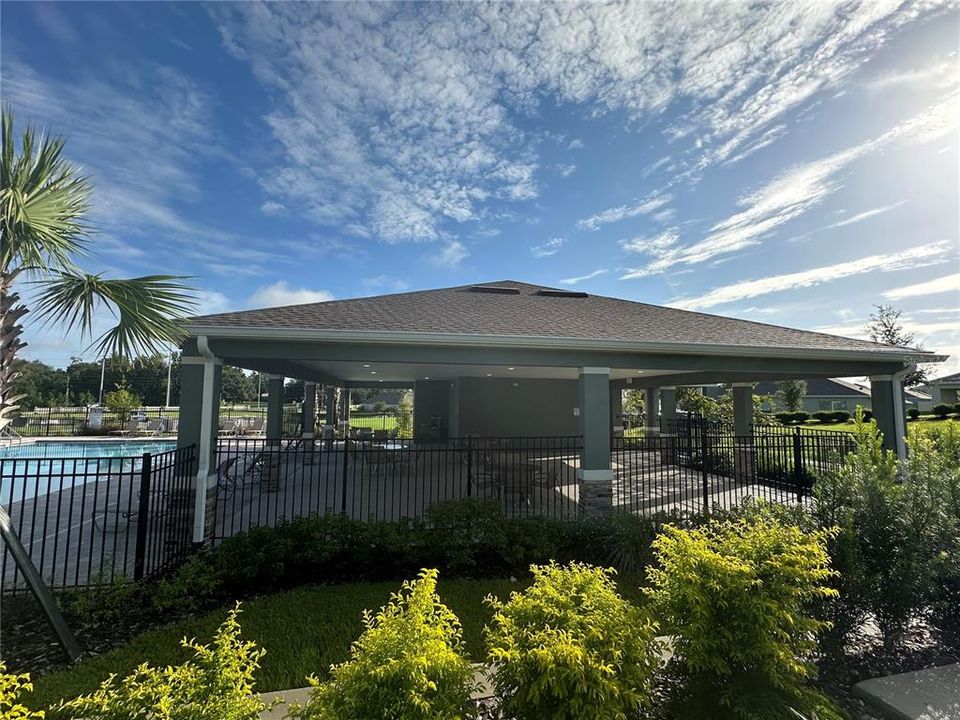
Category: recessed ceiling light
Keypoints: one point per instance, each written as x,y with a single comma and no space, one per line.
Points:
489,374
366,364
639,371
373,372
510,368
427,377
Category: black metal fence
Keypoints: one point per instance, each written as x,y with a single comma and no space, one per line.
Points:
260,483
72,422
93,520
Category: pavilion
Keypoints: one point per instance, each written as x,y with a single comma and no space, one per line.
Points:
509,359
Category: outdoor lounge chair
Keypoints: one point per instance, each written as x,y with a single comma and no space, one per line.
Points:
256,426
129,428
152,428
228,428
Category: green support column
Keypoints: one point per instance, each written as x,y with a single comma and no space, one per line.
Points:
198,424
595,475
274,407
744,452
742,409
668,407
668,417
308,420
651,409
886,394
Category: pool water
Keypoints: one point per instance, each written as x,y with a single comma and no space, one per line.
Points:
36,469
89,449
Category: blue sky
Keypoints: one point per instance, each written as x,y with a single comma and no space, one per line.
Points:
788,163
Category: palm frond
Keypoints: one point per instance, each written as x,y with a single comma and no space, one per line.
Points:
150,310
43,201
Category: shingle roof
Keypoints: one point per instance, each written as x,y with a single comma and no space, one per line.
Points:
947,378
521,309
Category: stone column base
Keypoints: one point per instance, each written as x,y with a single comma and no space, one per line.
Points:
596,493
745,462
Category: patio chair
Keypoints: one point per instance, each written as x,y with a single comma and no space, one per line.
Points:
228,428
173,425
129,428
381,434
257,426
227,481
152,428
365,434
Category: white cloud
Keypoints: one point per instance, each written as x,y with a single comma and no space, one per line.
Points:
280,293
547,248
921,256
582,278
795,192
866,214
567,170
939,74
947,283
645,206
450,255
271,207
366,111
658,243
575,144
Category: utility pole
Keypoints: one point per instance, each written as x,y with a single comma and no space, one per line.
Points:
103,371
169,373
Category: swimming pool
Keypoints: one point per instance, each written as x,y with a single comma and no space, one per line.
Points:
85,449
34,469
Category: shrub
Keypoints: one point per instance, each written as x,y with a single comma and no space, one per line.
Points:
823,416
866,415
942,410
913,413
10,688
736,595
840,416
569,647
784,418
407,665
956,408
108,599
216,685
893,522
800,417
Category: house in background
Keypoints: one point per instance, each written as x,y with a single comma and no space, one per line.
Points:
945,390
829,394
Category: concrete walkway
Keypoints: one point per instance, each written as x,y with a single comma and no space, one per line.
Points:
931,694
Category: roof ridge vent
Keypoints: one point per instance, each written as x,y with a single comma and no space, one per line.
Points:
495,289
562,293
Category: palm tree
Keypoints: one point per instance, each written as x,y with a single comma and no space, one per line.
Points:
43,204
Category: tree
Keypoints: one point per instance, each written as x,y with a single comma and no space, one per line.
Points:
886,327
121,401
43,207
236,386
633,402
790,394
404,414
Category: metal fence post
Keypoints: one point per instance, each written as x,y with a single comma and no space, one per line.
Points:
346,450
703,468
143,510
798,465
469,467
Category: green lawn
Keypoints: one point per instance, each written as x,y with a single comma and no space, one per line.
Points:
303,631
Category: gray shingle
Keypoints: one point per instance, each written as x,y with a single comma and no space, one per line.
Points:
463,311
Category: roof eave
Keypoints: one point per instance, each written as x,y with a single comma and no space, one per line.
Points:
550,343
